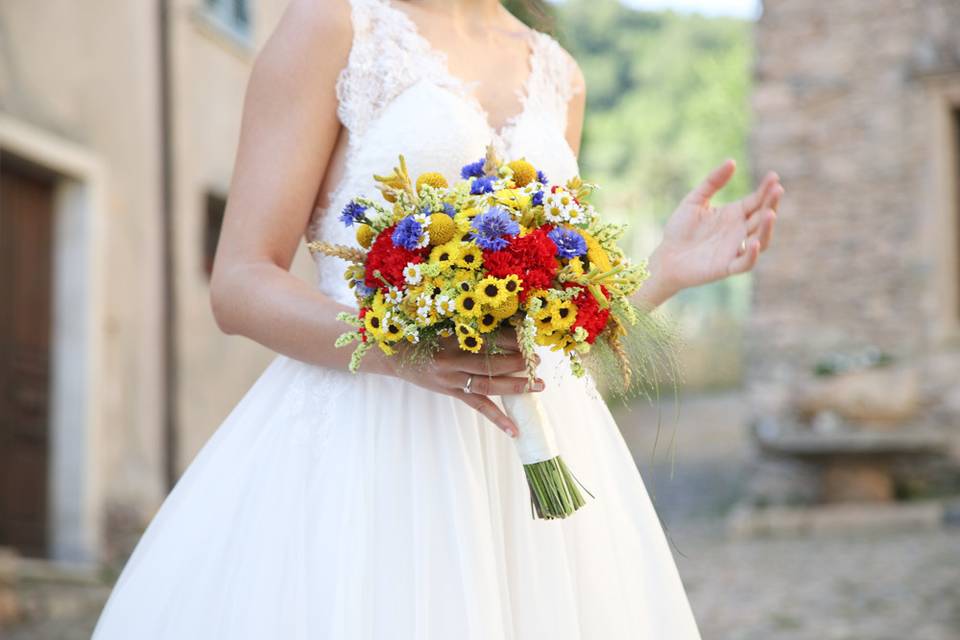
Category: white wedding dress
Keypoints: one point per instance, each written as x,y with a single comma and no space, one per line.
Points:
333,506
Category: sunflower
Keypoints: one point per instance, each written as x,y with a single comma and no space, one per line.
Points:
470,256
373,321
464,219
512,198
565,312
464,280
491,291
468,338
392,330
488,322
445,254
468,305
512,284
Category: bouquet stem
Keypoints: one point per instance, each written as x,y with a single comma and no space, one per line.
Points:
554,492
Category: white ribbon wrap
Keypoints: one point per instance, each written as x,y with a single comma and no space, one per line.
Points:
536,442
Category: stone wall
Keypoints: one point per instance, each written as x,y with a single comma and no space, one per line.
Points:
852,107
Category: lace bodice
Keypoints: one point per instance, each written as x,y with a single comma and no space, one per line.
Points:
397,95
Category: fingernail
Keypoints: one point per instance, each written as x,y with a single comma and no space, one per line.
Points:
538,385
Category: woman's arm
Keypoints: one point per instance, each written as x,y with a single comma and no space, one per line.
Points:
289,133
701,243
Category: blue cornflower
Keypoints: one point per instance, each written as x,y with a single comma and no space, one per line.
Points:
492,227
353,213
537,199
449,209
570,244
541,177
481,185
407,234
473,170
363,290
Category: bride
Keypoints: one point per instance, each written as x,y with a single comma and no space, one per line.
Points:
381,505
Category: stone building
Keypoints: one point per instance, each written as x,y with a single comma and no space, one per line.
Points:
853,345
118,125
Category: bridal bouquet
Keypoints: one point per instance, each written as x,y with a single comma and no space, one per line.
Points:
500,248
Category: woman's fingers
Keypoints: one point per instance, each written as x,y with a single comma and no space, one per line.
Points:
745,261
499,385
760,196
717,179
485,365
489,410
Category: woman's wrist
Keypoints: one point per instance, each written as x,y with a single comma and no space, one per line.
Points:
657,288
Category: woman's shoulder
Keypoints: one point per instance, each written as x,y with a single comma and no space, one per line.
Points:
560,62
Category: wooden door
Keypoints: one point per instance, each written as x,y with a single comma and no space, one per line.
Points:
26,224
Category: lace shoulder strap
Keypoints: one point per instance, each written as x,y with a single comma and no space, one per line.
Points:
386,57
554,78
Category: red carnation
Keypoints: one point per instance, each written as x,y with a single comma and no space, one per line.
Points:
590,315
531,257
389,259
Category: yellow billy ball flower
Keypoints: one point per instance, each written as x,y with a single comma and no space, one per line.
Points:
470,256
468,338
433,179
468,305
365,234
442,228
491,291
507,308
523,172
488,322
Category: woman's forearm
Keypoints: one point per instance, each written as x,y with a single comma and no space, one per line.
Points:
656,289
271,306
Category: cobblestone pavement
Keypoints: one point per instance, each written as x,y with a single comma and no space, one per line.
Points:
875,586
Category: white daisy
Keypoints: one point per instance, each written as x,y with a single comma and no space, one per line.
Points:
411,273
394,296
445,306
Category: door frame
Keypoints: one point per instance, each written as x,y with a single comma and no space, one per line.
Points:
76,346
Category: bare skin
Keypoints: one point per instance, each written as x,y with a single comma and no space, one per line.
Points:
291,155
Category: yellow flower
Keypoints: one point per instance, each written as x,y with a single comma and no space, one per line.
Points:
365,235
523,172
373,321
387,349
512,198
441,228
596,254
464,280
468,305
470,256
511,284
468,338
392,331
556,341
433,179
488,322
507,308
464,219
492,291
558,316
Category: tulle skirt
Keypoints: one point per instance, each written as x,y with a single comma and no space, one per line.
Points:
333,506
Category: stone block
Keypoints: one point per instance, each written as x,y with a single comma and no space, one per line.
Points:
881,398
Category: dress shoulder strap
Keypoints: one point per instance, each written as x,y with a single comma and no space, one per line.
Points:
554,78
387,56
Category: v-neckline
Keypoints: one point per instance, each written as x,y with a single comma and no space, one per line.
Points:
464,87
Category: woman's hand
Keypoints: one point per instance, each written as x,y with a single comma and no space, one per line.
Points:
702,243
449,370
